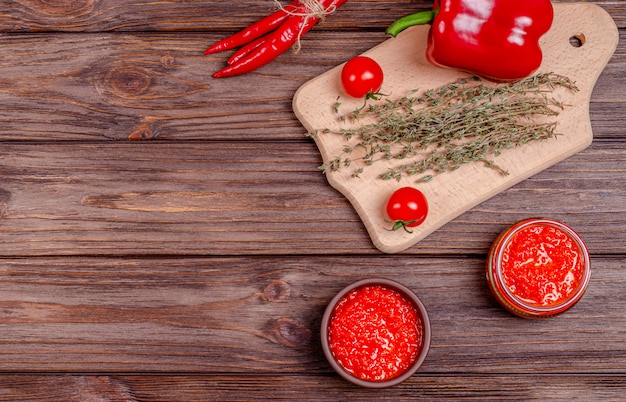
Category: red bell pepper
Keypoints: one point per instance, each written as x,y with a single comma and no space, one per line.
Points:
495,39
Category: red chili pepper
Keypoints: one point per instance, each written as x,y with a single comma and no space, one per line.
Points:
246,49
496,39
260,49
255,30
277,43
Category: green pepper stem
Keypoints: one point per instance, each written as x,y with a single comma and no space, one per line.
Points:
421,18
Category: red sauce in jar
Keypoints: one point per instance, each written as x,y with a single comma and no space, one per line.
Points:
538,267
542,265
375,333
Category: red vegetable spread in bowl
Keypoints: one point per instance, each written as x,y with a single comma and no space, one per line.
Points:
538,268
376,333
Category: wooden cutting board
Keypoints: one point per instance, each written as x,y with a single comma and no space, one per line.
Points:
451,194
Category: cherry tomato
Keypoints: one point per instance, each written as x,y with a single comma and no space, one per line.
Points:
407,207
361,77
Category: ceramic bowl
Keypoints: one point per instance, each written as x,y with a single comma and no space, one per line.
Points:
408,296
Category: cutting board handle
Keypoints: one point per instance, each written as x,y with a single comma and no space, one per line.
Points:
588,38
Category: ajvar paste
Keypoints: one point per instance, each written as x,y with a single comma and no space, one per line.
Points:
375,333
542,265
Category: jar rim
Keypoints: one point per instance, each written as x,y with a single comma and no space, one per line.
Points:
513,301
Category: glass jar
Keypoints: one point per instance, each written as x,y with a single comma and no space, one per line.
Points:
538,267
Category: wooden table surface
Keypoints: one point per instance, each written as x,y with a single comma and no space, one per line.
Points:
167,236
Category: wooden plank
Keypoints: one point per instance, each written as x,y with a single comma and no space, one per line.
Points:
258,198
103,87
173,388
143,86
153,15
252,316
131,87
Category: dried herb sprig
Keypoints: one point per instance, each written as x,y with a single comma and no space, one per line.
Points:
462,122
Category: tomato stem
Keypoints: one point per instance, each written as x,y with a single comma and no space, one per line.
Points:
370,95
402,224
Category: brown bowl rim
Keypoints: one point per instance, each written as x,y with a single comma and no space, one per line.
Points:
419,306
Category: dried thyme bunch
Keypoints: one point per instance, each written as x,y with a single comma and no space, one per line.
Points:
461,122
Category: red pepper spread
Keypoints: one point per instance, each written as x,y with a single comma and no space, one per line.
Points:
375,333
542,265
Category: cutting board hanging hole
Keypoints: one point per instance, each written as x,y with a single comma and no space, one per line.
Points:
577,40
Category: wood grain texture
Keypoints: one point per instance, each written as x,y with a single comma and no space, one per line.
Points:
258,198
262,315
143,86
158,86
200,388
195,264
202,15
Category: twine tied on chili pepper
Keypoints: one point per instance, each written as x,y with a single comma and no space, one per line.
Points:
316,10
269,37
